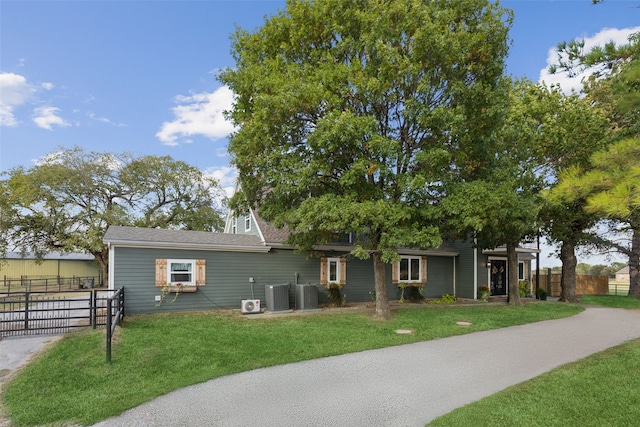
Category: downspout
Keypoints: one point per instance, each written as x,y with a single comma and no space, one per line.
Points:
111,267
454,275
475,268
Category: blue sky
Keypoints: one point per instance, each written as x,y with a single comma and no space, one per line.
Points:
140,76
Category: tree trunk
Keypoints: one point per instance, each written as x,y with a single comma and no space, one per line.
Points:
379,275
568,280
103,260
512,266
634,264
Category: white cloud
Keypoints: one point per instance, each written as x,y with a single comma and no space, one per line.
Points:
46,86
198,114
606,35
47,117
226,177
106,120
14,92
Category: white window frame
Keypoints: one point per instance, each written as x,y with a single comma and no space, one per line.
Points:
408,259
247,222
191,272
234,225
337,272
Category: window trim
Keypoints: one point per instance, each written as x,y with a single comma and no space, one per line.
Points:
191,272
247,221
338,275
234,225
422,271
341,271
198,277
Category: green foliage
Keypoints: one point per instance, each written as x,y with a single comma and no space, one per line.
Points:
351,113
335,296
541,293
67,201
525,289
446,299
156,354
484,292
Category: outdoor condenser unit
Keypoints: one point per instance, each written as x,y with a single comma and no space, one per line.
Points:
250,306
277,297
307,297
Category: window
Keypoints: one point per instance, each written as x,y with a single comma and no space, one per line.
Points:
234,225
247,222
521,270
333,271
410,269
185,272
180,271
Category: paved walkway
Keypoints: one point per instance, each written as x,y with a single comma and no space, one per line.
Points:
406,385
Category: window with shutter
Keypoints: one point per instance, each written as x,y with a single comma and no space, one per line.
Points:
333,271
410,269
180,272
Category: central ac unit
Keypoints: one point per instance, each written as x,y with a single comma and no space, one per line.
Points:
250,306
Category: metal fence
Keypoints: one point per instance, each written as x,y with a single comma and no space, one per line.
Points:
115,314
48,283
31,313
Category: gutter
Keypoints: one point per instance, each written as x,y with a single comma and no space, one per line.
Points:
188,246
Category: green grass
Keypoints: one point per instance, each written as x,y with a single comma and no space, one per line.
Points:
612,301
155,354
600,390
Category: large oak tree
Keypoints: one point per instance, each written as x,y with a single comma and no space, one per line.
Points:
67,201
351,111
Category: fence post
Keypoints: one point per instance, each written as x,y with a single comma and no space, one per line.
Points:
26,310
109,331
121,302
94,308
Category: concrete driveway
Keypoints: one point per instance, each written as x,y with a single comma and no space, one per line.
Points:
407,385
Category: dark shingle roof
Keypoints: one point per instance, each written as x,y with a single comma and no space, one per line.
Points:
270,233
157,237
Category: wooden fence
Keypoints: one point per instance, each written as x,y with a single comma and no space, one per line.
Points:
585,285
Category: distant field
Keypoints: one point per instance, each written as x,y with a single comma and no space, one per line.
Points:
618,288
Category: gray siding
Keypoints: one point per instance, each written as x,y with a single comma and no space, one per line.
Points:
439,277
228,273
464,269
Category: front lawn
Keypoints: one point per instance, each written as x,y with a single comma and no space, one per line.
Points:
600,390
155,354
612,301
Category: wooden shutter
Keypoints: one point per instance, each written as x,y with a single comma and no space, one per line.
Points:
395,272
343,271
201,272
423,270
323,271
161,272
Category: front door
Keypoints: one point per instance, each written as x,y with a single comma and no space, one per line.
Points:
498,275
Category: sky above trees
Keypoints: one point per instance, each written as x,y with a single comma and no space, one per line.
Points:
141,76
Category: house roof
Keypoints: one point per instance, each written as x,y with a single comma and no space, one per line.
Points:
182,239
624,270
271,234
51,255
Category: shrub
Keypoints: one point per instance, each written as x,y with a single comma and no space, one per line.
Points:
335,296
524,288
446,299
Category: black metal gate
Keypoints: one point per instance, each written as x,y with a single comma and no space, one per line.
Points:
32,313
